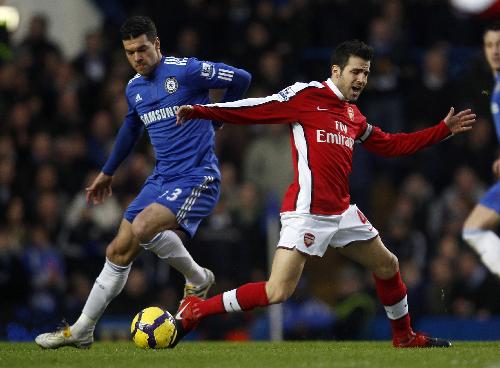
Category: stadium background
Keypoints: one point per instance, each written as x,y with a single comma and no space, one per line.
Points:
59,113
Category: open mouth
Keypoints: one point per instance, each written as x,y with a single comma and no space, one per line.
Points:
356,89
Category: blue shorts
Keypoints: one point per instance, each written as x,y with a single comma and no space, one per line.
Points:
190,198
492,198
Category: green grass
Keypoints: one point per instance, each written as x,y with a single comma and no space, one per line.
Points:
254,354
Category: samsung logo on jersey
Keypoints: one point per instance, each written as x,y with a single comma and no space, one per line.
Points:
159,114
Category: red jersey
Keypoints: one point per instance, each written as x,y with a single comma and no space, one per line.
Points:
324,128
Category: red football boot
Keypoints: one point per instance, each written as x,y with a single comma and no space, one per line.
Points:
419,340
187,317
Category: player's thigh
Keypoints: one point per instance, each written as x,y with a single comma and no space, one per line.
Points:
153,219
373,255
482,217
190,199
124,247
286,270
166,204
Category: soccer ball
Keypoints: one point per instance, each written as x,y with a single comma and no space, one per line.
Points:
153,328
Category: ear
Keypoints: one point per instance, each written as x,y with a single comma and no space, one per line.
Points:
335,71
157,43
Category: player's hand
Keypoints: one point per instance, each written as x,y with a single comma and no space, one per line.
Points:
183,114
460,122
99,189
496,168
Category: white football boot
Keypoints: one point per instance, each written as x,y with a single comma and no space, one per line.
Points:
200,291
63,337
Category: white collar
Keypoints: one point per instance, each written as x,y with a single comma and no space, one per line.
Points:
335,89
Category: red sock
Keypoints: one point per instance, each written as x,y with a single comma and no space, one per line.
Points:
246,297
392,294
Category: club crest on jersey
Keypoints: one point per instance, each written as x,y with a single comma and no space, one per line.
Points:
309,239
171,84
350,111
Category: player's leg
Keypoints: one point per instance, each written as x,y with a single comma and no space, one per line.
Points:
391,290
478,230
166,214
119,256
287,268
158,231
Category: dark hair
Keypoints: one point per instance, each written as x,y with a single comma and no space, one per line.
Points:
138,25
349,48
494,26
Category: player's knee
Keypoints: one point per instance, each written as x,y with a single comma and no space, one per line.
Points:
278,293
141,230
387,267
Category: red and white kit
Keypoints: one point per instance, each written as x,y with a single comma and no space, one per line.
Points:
324,128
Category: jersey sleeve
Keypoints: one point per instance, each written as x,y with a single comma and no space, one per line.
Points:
274,109
210,75
391,145
129,133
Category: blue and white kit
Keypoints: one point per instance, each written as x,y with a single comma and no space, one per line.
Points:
186,177
491,199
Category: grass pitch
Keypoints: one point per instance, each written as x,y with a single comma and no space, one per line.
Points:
254,355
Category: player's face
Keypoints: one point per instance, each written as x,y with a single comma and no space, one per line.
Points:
142,54
492,49
353,78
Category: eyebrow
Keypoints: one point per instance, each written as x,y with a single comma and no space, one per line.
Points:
360,69
140,48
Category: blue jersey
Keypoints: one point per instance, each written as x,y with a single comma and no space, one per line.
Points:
495,104
152,103
491,198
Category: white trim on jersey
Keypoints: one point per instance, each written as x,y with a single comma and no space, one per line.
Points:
230,301
255,101
335,89
225,74
305,176
175,61
134,78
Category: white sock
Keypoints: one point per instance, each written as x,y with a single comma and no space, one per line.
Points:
487,244
167,245
107,286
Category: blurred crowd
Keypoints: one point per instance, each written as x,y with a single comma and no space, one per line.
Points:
59,117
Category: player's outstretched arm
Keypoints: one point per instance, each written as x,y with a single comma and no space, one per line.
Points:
460,122
266,110
99,189
401,144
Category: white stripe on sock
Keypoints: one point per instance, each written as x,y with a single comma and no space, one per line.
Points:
397,310
230,301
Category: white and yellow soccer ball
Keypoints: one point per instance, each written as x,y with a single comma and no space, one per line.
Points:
153,328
